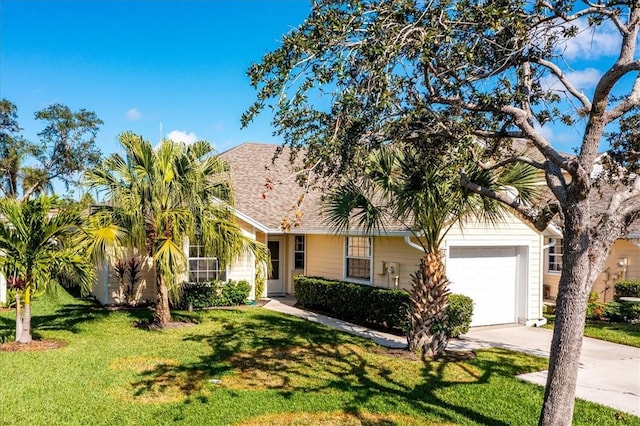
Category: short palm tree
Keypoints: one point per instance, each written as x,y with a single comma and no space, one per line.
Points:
41,241
162,196
403,186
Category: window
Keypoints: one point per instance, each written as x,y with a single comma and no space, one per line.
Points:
358,259
203,268
274,251
298,252
554,257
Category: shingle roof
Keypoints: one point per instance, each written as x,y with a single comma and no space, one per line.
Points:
251,166
599,200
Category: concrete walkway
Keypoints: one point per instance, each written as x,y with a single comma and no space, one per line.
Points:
609,373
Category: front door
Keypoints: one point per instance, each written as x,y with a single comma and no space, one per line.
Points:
275,283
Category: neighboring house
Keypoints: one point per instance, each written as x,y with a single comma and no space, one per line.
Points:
498,266
622,263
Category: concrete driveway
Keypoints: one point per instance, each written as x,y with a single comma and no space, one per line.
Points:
609,373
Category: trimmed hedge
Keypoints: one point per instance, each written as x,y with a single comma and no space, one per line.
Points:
459,312
367,305
214,293
626,288
356,303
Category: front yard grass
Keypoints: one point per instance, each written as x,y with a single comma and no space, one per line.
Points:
273,370
615,332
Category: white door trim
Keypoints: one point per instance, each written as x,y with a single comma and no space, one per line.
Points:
276,286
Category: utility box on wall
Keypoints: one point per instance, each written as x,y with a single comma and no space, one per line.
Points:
392,268
387,268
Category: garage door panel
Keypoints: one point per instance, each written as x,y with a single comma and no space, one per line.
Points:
488,276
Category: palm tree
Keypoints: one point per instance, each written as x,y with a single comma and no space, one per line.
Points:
162,196
42,241
422,192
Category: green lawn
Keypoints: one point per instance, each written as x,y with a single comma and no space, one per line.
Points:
616,332
274,370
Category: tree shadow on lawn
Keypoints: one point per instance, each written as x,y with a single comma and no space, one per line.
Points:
291,355
67,317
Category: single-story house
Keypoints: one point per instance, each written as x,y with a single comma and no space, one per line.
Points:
498,266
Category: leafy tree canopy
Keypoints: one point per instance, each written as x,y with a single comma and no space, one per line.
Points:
66,147
448,76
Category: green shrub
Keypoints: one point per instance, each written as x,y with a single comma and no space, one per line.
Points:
630,311
214,293
260,280
621,311
235,292
358,303
626,288
11,298
595,309
363,304
459,313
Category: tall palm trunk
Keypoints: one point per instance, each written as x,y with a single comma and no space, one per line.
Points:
428,302
162,315
25,332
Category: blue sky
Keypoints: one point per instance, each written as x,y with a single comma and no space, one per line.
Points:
141,65
178,68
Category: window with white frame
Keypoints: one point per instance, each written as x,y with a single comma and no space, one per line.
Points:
554,255
358,258
298,252
204,268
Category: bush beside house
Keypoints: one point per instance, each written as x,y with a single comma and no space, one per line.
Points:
617,311
214,293
367,305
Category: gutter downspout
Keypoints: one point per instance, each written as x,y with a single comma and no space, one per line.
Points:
407,241
548,246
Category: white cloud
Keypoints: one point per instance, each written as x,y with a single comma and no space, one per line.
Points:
591,41
133,114
219,126
182,136
582,80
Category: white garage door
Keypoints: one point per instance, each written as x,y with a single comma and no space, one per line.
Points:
488,276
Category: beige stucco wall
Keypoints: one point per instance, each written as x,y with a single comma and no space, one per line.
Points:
611,272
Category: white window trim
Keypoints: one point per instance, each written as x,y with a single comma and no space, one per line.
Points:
188,246
304,253
345,248
556,242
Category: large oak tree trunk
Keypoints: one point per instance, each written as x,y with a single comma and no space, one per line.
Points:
583,259
162,315
427,315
